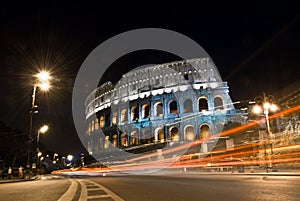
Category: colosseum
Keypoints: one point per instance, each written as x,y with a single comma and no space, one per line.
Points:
152,106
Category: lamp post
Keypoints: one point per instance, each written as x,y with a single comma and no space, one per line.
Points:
266,106
43,129
42,82
39,154
54,155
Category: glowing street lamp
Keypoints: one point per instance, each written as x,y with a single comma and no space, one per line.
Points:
69,160
43,76
45,86
54,155
70,157
257,109
43,129
42,82
39,154
266,107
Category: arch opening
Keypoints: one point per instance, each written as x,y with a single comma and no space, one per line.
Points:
203,104
124,140
174,134
123,115
204,131
134,113
189,133
158,109
145,111
173,107
218,103
134,139
106,142
115,140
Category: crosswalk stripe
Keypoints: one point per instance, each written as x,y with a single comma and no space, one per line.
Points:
84,191
70,193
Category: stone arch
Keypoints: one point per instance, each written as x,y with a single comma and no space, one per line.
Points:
114,118
173,107
134,113
202,104
204,131
146,111
97,124
158,109
174,134
106,142
123,115
101,121
159,135
115,140
93,125
218,103
134,138
187,106
124,140
189,133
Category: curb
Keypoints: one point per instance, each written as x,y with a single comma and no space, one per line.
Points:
17,180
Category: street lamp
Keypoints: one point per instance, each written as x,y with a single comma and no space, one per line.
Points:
266,106
55,154
42,82
69,159
39,154
43,129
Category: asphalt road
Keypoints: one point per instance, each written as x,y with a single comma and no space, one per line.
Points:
156,188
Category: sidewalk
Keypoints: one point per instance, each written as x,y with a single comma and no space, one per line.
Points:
36,177
15,179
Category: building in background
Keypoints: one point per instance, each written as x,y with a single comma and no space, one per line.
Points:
153,106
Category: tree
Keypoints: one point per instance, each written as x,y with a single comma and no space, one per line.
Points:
12,145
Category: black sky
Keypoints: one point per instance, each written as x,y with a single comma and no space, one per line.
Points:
255,47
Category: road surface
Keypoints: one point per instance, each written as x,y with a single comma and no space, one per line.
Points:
156,187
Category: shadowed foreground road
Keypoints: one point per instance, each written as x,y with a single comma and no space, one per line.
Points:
165,188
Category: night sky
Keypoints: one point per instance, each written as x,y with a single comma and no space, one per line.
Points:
254,46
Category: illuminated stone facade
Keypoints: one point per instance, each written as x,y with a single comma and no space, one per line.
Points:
172,102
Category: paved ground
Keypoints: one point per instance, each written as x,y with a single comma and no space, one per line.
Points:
173,187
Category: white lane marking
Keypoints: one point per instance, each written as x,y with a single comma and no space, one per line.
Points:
99,196
83,195
70,193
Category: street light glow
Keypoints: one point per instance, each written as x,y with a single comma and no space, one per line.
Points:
273,108
43,76
267,105
257,109
70,157
44,129
44,86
